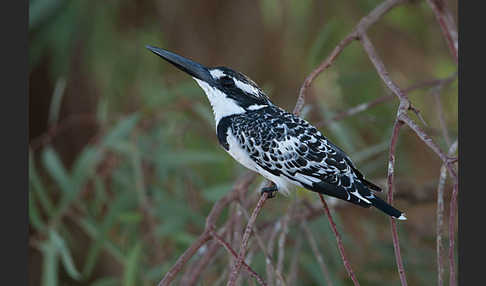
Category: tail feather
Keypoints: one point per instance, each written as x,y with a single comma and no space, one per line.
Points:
365,191
371,185
386,208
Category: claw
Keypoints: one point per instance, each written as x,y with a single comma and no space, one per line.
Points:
271,191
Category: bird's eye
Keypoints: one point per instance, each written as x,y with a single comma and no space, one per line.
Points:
227,81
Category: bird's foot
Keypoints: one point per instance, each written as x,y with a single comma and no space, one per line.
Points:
271,191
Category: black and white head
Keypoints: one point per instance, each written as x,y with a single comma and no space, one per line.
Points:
229,92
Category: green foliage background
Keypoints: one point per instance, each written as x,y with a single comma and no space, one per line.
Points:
118,137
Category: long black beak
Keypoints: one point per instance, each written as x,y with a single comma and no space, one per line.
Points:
194,69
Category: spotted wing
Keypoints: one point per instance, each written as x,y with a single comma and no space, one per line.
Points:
286,145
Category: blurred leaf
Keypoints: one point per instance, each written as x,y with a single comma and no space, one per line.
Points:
272,13
99,232
40,10
130,217
90,157
56,169
56,34
131,265
56,100
106,281
34,216
91,229
214,193
120,130
38,187
205,112
323,43
100,195
66,258
191,157
370,152
49,264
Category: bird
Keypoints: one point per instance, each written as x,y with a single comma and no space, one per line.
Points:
282,147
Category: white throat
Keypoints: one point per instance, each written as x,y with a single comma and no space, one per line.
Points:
221,104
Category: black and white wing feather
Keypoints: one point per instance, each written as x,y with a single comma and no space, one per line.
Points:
287,146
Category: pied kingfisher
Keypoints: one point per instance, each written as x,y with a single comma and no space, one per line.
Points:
279,145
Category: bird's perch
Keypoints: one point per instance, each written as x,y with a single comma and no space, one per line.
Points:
402,119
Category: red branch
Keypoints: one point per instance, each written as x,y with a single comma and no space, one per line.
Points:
362,26
202,239
244,243
436,83
440,221
228,247
241,185
358,33
339,241
452,222
447,25
391,175
193,275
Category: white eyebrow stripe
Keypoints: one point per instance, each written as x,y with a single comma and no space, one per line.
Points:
246,87
216,73
256,106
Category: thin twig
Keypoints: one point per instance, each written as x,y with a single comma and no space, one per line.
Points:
367,105
193,275
218,207
447,25
452,222
268,257
294,265
440,216
339,242
404,103
281,247
391,175
440,223
228,247
244,243
440,114
182,260
277,226
363,25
